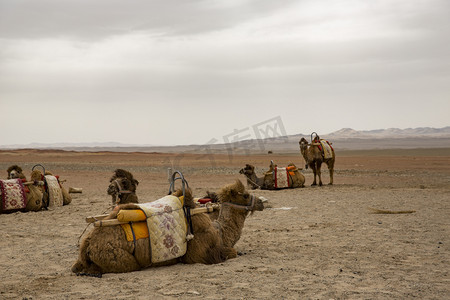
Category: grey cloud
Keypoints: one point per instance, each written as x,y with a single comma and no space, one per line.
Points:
96,19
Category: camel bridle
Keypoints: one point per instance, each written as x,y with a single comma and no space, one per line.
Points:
120,190
248,207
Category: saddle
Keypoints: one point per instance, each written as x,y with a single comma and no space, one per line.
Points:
12,195
282,177
54,191
324,146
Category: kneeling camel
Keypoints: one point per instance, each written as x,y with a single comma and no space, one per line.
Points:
106,249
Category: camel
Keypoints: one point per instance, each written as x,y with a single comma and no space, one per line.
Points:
253,181
106,249
314,157
267,182
122,188
37,175
32,190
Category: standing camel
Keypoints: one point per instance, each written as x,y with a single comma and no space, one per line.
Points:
314,157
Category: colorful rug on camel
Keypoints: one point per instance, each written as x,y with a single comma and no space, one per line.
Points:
281,178
54,191
327,149
12,194
167,228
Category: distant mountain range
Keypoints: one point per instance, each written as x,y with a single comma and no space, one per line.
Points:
70,145
390,133
345,138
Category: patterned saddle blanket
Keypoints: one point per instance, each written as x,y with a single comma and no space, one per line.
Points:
327,150
13,195
54,191
167,228
282,177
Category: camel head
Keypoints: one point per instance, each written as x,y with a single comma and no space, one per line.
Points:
249,170
236,196
303,144
122,185
15,172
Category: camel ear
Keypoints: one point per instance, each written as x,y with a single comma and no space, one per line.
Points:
239,187
231,191
136,182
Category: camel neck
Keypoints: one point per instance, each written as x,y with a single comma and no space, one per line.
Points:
253,180
231,221
305,152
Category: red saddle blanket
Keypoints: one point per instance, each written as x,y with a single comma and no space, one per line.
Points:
13,194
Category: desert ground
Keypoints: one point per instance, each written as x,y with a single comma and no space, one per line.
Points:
309,243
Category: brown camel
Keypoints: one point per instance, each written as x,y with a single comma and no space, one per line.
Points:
37,175
33,192
267,182
314,157
122,188
106,249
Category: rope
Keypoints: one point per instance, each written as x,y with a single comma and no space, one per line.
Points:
248,178
79,238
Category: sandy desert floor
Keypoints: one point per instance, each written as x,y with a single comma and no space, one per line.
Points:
309,243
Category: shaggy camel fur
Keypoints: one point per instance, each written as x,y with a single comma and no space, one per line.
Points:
314,158
33,192
267,182
122,188
106,250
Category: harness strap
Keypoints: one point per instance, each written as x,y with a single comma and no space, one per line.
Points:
245,207
134,237
121,190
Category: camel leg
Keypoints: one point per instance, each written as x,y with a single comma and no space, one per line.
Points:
106,250
313,167
115,260
331,169
84,264
319,173
229,252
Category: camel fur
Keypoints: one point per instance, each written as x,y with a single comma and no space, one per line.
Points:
122,188
314,158
106,249
214,199
267,181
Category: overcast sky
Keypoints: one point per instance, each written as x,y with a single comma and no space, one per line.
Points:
181,72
